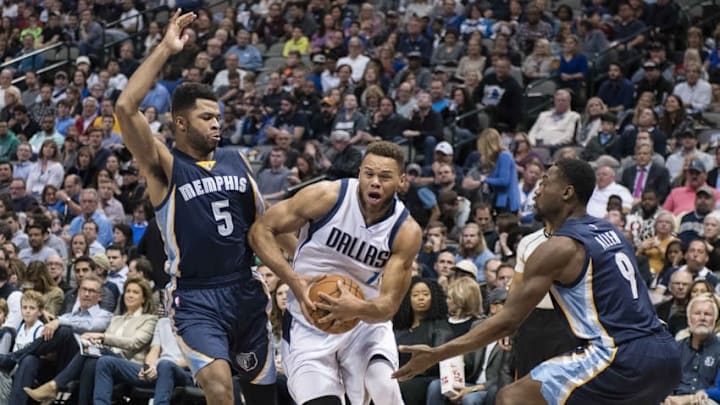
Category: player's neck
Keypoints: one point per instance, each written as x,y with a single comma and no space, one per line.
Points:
194,153
555,222
373,216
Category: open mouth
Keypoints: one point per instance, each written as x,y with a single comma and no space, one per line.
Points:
374,197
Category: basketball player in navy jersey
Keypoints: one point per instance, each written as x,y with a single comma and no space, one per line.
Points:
589,268
357,228
206,201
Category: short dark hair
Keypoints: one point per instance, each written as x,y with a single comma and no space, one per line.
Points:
85,259
39,226
116,247
389,150
580,175
185,96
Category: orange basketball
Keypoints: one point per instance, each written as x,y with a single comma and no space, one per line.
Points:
328,284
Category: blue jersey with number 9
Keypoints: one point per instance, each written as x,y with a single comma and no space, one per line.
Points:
205,218
608,303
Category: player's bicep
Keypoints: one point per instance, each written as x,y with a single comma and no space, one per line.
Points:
151,155
307,205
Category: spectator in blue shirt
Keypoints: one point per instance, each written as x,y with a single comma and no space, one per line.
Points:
89,210
32,63
248,55
159,97
617,91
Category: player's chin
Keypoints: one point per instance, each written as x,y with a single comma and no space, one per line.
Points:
375,199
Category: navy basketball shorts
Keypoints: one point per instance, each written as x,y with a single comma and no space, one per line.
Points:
641,371
226,318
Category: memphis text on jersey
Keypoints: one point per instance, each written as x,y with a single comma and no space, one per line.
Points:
212,184
361,251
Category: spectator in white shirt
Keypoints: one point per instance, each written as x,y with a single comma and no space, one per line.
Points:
688,147
355,59
604,188
557,127
696,93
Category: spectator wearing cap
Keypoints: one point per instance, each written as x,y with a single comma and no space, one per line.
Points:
463,268
414,66
606,142
444,155
688,147
682,198
696,92
248,55
345,158
557,127
653,81
321,124
658,54
617,91
419,200
691,224
316,70
604,188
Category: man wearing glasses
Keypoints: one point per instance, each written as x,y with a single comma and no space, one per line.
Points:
58,337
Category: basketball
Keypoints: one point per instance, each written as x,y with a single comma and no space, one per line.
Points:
328,284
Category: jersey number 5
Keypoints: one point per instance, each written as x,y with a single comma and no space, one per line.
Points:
627,270
223,217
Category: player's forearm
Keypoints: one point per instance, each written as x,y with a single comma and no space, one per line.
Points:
478,337
142,80
266,245
377,310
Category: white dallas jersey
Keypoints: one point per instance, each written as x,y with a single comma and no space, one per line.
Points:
525,249
341,243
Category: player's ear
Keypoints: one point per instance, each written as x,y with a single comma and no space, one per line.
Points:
180,123
568,193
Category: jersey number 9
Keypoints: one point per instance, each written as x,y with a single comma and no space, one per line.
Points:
627,270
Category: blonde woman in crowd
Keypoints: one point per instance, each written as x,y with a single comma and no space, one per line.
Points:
539,64
654,247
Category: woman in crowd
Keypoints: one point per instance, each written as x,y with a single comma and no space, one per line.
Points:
473,61
522,152
50,202
464,303
123,236
84,166
46,170
37,277
460,105
70,148
449,50
573,69
421,319
128,336
631,117
502,178
654,247
594,109
674,120
112,165
304,170
539,64
660,281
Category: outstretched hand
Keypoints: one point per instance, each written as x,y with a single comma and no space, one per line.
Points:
174,37
421,360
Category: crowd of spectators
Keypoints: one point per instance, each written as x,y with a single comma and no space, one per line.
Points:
304,86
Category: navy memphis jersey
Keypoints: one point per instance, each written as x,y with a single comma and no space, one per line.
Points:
205,218
609,303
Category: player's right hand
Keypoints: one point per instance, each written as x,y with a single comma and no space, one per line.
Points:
300,287
174,38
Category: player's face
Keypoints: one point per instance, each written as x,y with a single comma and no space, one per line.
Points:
379,181
420,298
549,193
203,126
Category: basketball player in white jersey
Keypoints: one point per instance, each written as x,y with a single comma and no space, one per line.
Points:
359,229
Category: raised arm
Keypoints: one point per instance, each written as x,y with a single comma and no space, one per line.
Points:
547,263
152,156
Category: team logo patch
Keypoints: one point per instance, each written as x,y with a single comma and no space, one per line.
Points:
247,361
709,361
206,164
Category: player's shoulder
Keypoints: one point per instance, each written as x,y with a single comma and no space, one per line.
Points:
318,199
409,236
